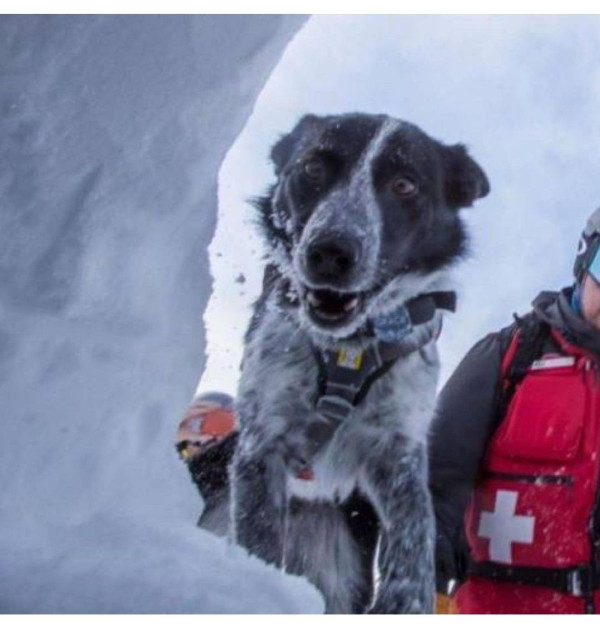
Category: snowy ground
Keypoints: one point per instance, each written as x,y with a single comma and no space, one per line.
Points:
113,130
113,564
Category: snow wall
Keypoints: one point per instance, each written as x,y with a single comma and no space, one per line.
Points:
112,132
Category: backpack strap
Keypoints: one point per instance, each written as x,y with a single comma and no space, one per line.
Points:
525,346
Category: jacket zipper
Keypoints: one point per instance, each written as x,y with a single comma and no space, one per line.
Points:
540,480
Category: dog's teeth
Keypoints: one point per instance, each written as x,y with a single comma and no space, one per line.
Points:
351,304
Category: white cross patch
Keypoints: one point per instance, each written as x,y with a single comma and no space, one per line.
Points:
503,527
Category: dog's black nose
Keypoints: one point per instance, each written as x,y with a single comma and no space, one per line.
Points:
331,260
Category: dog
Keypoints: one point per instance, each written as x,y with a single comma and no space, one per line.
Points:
340,364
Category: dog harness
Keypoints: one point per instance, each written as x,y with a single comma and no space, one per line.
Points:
530,525
346,374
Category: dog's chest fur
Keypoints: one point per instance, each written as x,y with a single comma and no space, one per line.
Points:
277,397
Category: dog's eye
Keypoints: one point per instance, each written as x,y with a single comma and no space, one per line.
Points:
315,169
404,187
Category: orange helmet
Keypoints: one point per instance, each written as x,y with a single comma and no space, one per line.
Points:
208,420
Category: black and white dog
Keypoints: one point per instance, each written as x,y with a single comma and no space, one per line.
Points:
340,365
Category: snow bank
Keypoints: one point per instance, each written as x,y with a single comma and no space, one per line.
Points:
113,130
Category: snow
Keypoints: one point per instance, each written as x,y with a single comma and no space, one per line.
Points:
113,130
111,564
112,133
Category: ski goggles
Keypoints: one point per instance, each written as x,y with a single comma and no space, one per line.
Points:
588,257
203,426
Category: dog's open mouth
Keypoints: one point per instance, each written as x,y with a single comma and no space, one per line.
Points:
329,308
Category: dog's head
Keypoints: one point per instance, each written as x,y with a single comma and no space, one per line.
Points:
364,215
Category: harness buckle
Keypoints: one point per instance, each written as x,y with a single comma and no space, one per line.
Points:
575,583
581,581
334,407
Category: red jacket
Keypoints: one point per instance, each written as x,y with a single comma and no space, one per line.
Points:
532,507
524,475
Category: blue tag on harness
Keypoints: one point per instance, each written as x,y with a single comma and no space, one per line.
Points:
393,326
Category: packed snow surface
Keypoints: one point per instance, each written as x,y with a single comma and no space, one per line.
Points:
113,130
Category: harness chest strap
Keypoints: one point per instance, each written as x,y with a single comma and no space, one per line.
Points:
347,375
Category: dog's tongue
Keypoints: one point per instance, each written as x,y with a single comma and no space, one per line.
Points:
331,305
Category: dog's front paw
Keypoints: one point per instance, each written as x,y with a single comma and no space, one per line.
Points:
294,452
301,445
297,449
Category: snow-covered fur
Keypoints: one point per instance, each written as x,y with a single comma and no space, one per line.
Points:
363,217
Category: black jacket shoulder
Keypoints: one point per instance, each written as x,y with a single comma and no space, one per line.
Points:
465,418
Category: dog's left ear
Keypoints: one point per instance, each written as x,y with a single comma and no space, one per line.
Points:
465,179
282,151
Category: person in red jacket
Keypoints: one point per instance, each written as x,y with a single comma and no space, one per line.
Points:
515,458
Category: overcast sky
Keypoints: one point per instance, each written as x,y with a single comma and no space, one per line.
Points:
523,92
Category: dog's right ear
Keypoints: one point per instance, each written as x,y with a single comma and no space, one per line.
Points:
283,150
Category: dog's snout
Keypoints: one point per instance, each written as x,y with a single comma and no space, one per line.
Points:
331,259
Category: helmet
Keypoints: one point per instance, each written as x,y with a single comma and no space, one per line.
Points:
588,254
208,421
218,398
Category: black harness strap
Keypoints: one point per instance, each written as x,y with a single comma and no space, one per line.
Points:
577,580
532,335
422,308
347,374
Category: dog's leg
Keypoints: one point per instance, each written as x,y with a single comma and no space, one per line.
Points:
364,526
397,485
322,547
259,502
